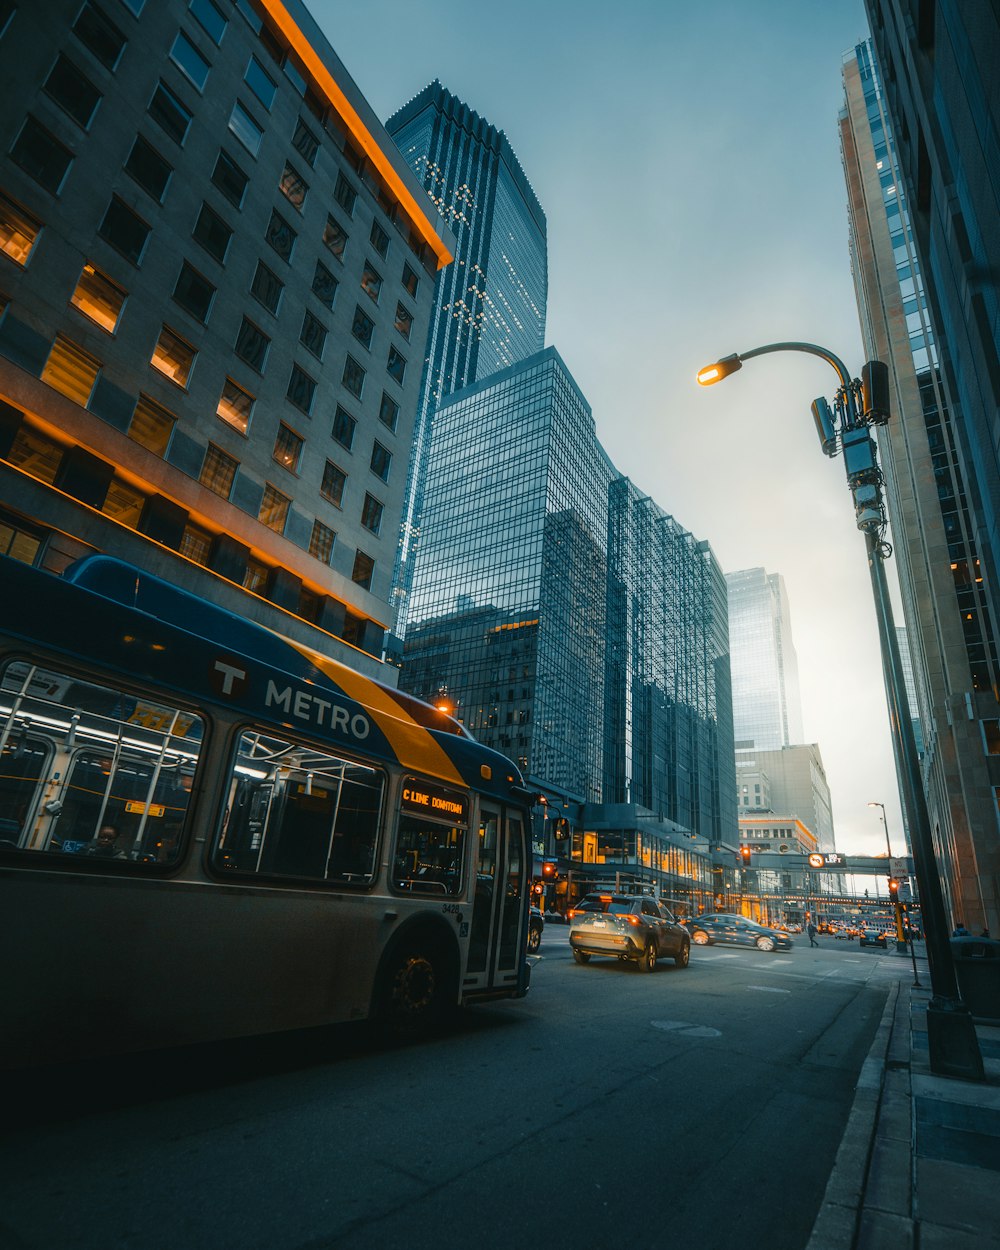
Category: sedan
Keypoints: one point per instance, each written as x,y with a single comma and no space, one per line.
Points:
633,928
729,930
872,937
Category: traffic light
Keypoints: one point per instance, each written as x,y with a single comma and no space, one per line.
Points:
560,828
745,854
893,889
548,871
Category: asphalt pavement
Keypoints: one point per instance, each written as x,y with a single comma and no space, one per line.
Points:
918,1167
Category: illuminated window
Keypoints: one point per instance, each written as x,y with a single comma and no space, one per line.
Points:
123,503
363,571
354,377
363,327
99,34
388,412
245,129
404,321
18,230
195,544
230,179
379,239
313,335
260,82
41,155
301,389
73,91
267,287
17,543
256,577
345,195
148,168
371,282
274,509
173,356
218,472
324,285
396,366
98,298
170,113
151,425
71,370
335,238
194,293
189,61
287,448
235,406
381,461
212,233
371,514
293,187
252,344
281,236
334,481
321,541
124,230
991,735
344,426
410,282
36,454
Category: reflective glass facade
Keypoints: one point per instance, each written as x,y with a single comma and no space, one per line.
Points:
489,309
572,623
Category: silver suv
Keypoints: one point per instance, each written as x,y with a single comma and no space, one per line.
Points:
630,927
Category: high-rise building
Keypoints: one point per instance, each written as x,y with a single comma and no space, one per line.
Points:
216,275
489,306
791,780
914,236
573,624
767,709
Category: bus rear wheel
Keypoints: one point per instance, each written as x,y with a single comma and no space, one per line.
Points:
414,993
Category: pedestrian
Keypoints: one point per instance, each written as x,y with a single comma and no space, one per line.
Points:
811,930
961,931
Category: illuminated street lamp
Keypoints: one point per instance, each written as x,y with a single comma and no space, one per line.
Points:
859,405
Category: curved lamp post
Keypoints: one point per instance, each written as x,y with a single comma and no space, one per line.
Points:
859,405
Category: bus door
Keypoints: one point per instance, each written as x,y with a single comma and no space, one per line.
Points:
496,938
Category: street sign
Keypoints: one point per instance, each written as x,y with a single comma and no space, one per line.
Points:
898,867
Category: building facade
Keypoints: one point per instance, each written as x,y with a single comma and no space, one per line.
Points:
489,306
573,625
767,708
905,227
792,780
216,275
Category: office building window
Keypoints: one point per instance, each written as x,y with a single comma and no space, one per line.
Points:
410,282
396,366
267,287
305,142
354,377
293,187
18,230
335,238
381,461
252,344
313,335
379,239
98,298
230,179
260,82
371,514
210,19
41,155
123,503
218,471
388,412
73,91
287,448
71,370
345,195
170,113
18,543
243,126
124,230
321,542
334,481
189,61
235,406
362,327
344,426
281,236
151,426
212,233
404,321
195,544
363,571
324,285
194,293
98,32
173,356
371,282
256,577
135,6
274,509
301,389
148,168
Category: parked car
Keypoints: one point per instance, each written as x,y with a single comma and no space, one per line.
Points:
872,937
633,928
536,924
729,930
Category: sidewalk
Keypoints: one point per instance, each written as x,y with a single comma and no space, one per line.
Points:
919,1164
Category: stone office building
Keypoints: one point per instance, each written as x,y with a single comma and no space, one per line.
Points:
216,274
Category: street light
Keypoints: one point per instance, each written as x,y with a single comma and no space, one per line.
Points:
858,405
894,896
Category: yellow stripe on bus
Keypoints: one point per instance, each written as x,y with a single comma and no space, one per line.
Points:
413,744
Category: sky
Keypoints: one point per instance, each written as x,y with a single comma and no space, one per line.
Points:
687,158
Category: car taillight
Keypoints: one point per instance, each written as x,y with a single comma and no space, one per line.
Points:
633,919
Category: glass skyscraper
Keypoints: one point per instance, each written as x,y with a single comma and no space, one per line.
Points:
571,622
767,709
489,309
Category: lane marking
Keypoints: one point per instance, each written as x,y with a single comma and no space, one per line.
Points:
768,989
685,1029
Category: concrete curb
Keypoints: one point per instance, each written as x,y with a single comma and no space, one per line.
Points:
839,1216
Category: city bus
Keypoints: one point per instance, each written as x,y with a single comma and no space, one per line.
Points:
209,830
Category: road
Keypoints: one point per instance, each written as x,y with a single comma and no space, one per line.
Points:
699,1106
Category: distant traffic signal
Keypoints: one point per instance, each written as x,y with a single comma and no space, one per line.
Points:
548,871
745,854
893,889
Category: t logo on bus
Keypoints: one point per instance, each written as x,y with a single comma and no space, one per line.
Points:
227,679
